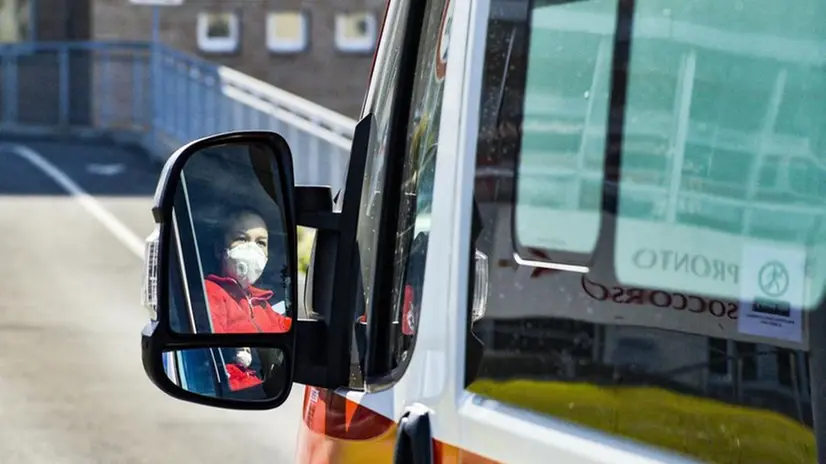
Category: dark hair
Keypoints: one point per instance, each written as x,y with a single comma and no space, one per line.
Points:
231,215
216,219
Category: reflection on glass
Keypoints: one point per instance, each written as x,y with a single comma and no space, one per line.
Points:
230,238
14,20
702,330
241,373
286,31
562,146
235,303
218,25
355,31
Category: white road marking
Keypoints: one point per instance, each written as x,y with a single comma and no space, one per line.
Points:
128,238
105,169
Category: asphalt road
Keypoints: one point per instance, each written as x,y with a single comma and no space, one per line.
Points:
72,389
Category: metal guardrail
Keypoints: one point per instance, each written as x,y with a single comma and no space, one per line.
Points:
163,98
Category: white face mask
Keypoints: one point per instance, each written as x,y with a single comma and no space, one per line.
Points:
245,263
243,357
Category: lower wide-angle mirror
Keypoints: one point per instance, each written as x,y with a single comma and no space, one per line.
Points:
236,373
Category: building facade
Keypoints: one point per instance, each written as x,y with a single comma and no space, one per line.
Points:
319,50
37,73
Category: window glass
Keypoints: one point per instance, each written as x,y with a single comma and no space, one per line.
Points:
356,32
417,163
287,31
419,167
218,32
562,133
694,204
14,20
379,102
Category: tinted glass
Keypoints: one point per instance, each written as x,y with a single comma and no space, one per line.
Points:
686,193
418,169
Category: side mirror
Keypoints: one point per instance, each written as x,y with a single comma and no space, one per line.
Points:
221,269
221,273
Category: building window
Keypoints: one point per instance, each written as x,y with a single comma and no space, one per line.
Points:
218,32
14,20
287,32
356,32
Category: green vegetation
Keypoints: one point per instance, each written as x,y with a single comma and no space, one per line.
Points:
704,429
305,246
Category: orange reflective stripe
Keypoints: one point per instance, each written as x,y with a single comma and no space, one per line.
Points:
340,431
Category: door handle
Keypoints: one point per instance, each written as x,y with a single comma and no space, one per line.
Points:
414,442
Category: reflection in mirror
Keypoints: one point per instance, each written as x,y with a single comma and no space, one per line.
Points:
237,373
232,273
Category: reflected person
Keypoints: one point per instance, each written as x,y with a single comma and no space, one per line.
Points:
235,304
239,373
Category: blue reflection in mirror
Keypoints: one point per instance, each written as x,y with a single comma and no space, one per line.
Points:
238,373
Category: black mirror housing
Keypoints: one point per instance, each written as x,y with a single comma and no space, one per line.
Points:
187,333
245,168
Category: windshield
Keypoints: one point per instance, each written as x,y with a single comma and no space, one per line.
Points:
650,179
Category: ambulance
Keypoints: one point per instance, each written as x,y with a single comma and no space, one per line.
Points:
583,231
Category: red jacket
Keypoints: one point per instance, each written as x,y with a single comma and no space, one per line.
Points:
236,311
241,378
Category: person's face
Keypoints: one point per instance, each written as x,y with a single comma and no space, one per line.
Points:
247,227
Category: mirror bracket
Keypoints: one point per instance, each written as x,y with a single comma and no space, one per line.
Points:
314,207
318,220
311,364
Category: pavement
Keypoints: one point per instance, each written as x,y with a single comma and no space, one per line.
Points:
72,388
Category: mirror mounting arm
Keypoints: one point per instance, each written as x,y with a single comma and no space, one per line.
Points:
318,220
333,285
314,207
311,353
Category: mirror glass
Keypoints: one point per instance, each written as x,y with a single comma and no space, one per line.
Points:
237,373
230,270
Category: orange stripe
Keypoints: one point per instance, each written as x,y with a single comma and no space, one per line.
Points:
340,431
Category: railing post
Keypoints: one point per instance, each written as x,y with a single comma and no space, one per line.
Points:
5,68
10,74
155,79
313,158
137,92
106,103
63,57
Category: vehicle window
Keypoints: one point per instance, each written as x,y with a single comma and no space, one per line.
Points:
417,164
417,178
379,102
677,162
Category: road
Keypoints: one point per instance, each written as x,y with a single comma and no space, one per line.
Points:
72,389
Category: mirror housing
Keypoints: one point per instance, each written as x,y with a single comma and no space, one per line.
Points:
256,170
316,350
